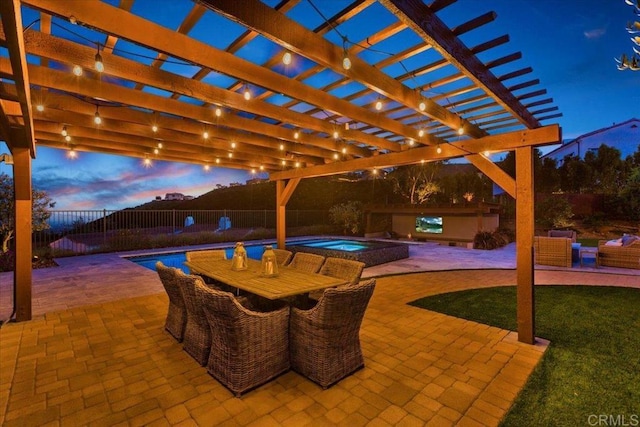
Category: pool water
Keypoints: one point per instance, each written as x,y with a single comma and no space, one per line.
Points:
339,245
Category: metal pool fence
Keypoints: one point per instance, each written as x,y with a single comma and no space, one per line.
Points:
79,232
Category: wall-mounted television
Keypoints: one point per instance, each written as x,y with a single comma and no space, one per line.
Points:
429,224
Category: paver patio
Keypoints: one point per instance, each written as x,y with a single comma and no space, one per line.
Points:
96,353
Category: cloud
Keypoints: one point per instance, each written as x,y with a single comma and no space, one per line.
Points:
596,33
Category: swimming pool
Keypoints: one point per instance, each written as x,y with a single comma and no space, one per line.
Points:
369,252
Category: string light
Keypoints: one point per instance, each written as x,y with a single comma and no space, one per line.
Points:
205,135
72,154
336,135
253,171
438,149
218,111
297,164
159,144
422,106
281,147
147,162
296,135
286,58
487,153
344,150
410,142
284,162
261,167
67,138
335,156
40,107
77,70
378,105
217,161
99,64
421,133
96,117
206,168
247,93
156,151
346,125
230,155
64,131
233,145
154,128
461,130
375,171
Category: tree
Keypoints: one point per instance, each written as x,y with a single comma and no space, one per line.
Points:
39,215
415,182
348,216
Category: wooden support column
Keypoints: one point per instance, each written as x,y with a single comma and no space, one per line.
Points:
284,190
524,244
23,208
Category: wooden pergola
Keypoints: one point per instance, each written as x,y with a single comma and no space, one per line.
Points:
414,92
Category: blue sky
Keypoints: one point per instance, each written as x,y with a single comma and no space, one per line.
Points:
570,45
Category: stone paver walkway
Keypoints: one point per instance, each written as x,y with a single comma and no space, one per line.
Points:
96,353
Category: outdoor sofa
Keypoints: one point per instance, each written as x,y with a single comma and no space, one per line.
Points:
552,251
624,253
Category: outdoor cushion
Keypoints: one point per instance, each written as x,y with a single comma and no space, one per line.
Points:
628,239
616,242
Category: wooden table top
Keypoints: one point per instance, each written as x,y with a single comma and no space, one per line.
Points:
289,281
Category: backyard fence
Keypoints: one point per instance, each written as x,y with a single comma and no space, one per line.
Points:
79,232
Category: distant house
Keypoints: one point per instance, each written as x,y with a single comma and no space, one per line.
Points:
235,184
177,196
624,137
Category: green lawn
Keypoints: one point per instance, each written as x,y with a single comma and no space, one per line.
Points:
593,363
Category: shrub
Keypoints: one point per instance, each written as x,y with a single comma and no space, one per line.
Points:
347,216
490,240
554,212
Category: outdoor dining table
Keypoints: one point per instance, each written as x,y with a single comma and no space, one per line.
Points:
288,283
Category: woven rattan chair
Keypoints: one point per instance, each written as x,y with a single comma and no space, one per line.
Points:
177,315
324,341
552,251
205,255
197,334
283,256
571,234
347,269
248,348
310,263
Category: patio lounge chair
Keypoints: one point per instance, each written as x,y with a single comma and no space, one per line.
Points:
177,315
552,251
571,234
619,256
325,340
248,348
197,334
283,256
310,263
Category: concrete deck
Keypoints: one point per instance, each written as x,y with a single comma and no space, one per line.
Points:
96,352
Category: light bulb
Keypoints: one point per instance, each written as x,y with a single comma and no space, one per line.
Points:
40,107
233,145
67,138
487,154
344,150
286,58
77,70
206,168
410,142
335,134
297,164
284,162
64,131
154,128
281,147
375,171
147,162
296,135
247,94
379,105
218,112
99,64
217,161
72,154
156,151
335,156
261,167
346,62
96,118
421,133
438,149
422,106
460,130
230,155
253,171
205,134
159,144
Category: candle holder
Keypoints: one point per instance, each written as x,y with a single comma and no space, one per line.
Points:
239,261
269,262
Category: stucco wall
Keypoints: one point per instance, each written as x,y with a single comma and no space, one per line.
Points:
453,227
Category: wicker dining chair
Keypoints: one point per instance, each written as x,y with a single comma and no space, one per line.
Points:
248,348
177,314
206,254
310,263
347,269
324,341
197,334
283,256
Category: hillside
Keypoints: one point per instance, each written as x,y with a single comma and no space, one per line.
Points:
313,193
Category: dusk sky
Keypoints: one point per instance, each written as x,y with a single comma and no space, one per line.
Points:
570,45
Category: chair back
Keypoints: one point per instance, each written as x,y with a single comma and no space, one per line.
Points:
168,277
283,256
187,283
346,269
206,255
310,263
571,234
342,309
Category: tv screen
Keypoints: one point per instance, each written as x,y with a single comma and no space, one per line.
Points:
429,224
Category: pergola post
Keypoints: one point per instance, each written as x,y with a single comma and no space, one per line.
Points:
284,190
23,208
524,244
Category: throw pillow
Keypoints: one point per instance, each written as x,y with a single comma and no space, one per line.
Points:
628,239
